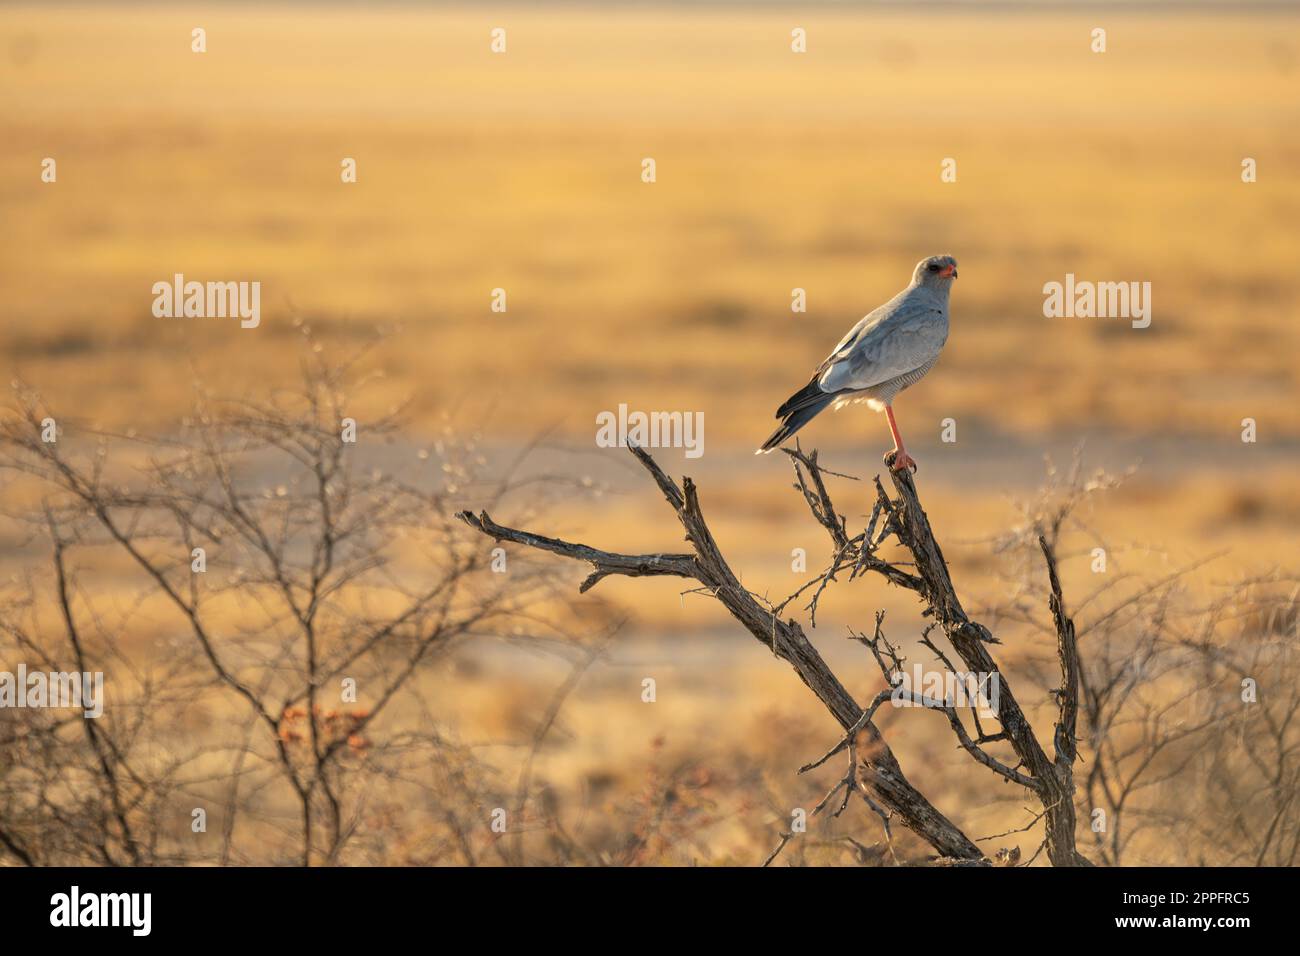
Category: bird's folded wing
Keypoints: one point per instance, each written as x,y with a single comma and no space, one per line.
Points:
880,350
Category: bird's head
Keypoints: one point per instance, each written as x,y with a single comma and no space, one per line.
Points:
937,272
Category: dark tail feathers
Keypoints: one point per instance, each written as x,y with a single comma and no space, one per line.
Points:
799,409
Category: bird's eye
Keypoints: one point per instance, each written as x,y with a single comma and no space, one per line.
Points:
933,267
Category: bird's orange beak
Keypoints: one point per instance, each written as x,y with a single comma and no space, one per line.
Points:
949,272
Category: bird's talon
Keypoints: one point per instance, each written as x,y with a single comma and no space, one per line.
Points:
899,459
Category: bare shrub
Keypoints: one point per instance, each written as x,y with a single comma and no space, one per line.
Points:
238,581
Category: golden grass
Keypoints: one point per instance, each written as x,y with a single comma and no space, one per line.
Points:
775,171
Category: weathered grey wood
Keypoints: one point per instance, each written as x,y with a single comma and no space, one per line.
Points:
874,769
880,771
1053,781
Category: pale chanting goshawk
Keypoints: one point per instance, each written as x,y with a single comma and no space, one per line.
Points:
888,351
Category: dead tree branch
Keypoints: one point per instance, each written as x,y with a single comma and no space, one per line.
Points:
880,770
873,768
1053,782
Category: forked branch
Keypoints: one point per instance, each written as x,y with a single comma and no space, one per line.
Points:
874,771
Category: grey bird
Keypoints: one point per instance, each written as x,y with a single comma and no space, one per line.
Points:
888,351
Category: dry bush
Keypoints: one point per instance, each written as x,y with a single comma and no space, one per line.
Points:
1188,730
231,689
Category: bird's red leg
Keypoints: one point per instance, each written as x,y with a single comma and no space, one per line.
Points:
901,458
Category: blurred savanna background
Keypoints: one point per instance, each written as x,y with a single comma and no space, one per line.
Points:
482,689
